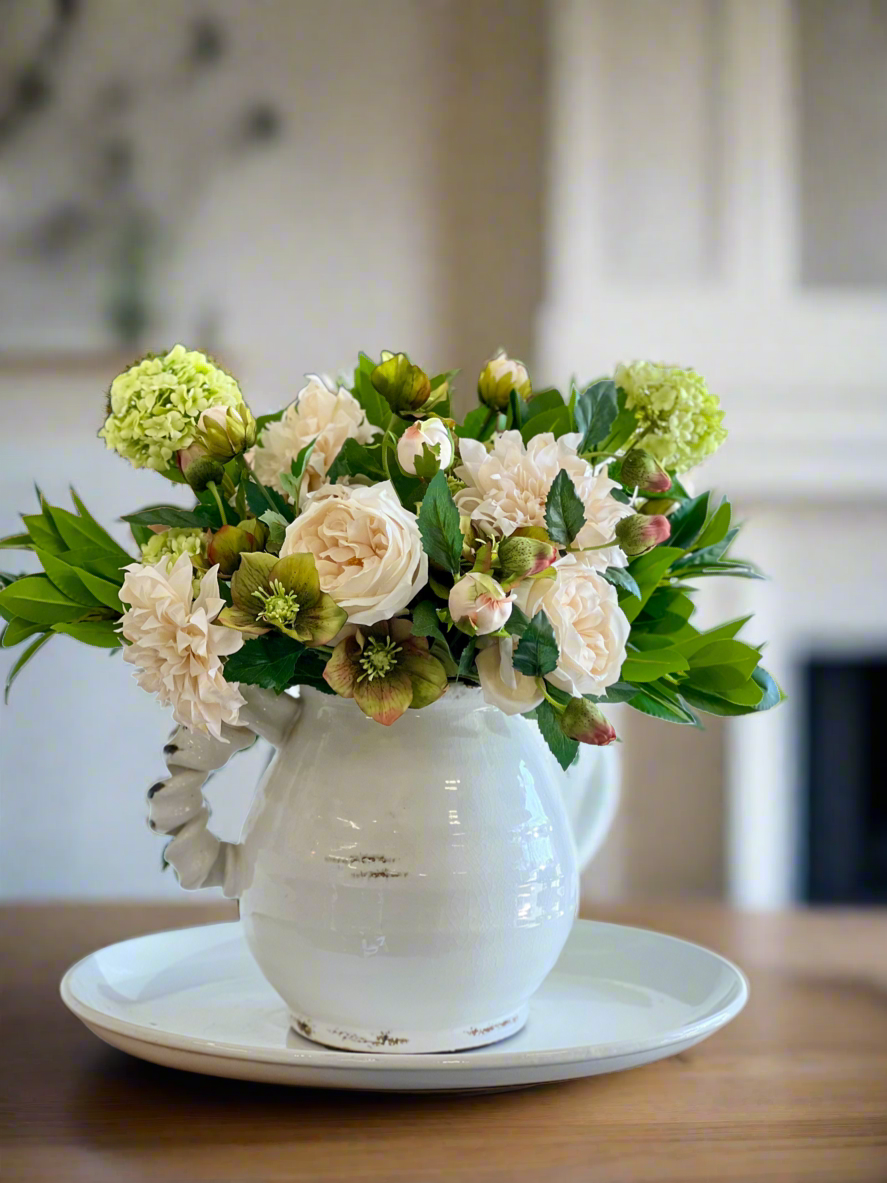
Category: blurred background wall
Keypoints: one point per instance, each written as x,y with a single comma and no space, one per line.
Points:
285,182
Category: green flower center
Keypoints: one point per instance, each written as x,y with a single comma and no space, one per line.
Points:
279,607
378,658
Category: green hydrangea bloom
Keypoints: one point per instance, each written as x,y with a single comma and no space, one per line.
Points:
681,418
156,404
175,542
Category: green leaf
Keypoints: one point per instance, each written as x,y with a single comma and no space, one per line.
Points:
516,407
647,570
292,480
556,421
655,701
617,692
595,412
517,623
726,652
666,600
17,630
103,589
623,581
543,400
708,554
97,562
428,464
722,568
439,526
37,599
564,512
17,542
43,533
169,515
67,580
687,521
268,661
426,622
276,524
713,704
537,653
356,459
466,660
78,532
101,634
716,527
23,661
374,405
649,664
259,498
724,632
562,748
479,424
262,421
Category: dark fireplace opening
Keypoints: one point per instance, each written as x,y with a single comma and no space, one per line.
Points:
846,778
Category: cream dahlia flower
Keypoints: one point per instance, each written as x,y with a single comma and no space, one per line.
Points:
326,416
366,546
590,628
175,647
507,487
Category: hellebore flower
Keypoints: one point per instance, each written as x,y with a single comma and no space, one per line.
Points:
284,594
386,671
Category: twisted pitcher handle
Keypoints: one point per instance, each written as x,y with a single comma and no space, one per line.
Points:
177,806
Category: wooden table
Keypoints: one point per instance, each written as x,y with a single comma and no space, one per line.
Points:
795,1089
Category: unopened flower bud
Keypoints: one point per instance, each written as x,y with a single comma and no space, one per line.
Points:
202,472
499,377
481,601
257,529
405,387
227,432
586,722
642,471
430,432
226,547
521,557
639,533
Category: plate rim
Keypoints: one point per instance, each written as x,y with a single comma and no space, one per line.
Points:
477,1058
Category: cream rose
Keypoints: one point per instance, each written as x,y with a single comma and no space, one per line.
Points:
590,628
507,488
326,416
502,685
366,546
175,647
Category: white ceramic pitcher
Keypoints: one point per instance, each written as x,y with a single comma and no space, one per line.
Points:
404,889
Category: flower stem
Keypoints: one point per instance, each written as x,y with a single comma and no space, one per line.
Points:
540,683
215,492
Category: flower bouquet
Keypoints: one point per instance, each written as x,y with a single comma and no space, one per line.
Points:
364,543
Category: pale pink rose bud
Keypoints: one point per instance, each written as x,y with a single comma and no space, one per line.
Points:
481,601
640,533
411,444
641,471
586,722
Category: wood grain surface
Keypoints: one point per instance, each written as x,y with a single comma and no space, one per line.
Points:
795,1089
